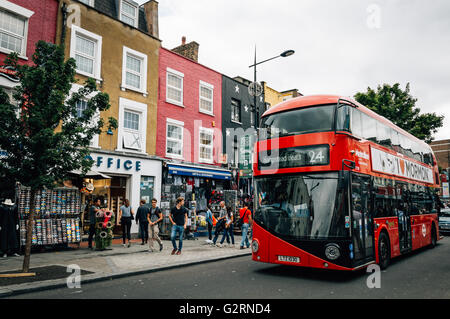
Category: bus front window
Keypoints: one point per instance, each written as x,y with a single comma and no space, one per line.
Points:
300,121
302,206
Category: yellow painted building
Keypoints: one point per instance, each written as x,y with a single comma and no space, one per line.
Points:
274,97
116,42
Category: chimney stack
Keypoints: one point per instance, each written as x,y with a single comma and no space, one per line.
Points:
189,50
151,15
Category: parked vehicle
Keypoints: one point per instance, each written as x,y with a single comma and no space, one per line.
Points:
444,221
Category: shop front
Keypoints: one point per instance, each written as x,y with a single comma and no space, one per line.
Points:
130,177
198,185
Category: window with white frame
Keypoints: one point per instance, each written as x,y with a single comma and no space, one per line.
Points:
88,2
14,28
81,106
134,70
206,98
174,87
132,125
129,13
131,136
86,48
174,138
206,145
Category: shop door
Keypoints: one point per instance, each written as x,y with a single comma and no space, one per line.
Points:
147,186
362,223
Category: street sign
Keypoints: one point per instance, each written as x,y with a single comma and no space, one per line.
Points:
255,89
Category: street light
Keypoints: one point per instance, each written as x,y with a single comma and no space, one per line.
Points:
285,54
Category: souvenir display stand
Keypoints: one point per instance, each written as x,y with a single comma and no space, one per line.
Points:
57,216
105,221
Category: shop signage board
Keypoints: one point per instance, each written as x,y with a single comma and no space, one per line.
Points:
390,164
199,172
114,163
445,190
246,149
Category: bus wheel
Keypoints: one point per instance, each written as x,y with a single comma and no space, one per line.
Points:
433,237
384,251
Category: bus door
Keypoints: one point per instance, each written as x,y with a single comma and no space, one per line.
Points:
404,219
362,220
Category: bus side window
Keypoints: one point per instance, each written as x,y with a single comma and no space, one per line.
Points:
356,123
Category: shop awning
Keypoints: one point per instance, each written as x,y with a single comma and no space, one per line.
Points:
199,172
91,174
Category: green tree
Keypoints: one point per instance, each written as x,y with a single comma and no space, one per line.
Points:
42,134
399,106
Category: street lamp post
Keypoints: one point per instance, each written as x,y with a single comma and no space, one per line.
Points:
285,54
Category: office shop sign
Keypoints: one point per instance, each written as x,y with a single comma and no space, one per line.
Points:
115,164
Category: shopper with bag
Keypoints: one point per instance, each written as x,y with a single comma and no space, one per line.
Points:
154,218
220,222
245,219
228,232
126,215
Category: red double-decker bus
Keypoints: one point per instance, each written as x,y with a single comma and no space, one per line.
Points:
338,186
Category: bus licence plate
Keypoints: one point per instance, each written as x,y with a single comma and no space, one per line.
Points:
289,259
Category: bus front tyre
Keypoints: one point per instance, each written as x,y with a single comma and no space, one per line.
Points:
384,251
433,237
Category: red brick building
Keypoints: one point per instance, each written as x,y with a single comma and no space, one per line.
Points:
189,129
22,24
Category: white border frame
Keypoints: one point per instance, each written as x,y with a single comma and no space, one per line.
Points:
136,107
180,125
210,132
178,74
98,50
144,72
207,86
91,3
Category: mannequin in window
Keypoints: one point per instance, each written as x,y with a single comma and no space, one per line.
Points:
9,226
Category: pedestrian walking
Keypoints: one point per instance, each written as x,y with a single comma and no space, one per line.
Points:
221,221
178,217
95,207
154,218
126,216
228,231
209,222
246,215
142,215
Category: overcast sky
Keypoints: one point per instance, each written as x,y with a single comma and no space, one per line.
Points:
342,47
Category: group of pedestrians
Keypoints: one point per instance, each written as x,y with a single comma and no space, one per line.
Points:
225,224
149,219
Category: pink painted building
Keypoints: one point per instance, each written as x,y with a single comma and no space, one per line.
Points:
22,24
189,111
189,131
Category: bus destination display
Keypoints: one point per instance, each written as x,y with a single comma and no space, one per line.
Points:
294,157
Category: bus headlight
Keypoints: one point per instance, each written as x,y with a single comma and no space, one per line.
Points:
255,246
332,251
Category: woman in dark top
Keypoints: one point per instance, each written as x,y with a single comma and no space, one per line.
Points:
126,216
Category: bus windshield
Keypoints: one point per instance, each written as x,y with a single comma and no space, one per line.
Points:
300,121
302,206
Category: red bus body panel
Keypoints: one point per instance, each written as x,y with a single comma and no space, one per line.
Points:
342,146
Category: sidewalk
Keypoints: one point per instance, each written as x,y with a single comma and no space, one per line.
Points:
118,262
